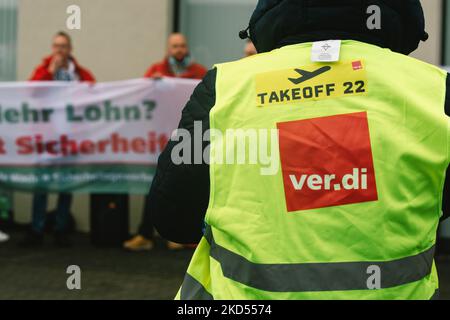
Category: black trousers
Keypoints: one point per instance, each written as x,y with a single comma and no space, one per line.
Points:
146,229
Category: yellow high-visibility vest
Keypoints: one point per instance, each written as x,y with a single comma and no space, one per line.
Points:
349,204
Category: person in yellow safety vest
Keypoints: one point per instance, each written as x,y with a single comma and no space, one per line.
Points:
315,169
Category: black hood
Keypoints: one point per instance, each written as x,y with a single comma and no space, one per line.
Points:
276,23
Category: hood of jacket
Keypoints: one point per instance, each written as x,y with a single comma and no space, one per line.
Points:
276,23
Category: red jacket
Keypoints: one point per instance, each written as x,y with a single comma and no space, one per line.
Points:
194,71
41,73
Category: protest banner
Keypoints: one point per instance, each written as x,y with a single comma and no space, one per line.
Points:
87,138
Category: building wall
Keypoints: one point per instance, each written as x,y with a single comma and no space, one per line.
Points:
219,41
118,40
431,51
8,29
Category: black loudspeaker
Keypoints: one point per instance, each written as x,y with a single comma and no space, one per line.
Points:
109,219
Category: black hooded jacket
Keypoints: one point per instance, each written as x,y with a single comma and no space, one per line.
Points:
179,195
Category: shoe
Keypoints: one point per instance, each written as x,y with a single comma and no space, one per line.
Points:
32,239
174,246
3,237
138,243
62,240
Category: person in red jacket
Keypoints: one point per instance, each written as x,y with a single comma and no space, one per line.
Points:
178,62
59,66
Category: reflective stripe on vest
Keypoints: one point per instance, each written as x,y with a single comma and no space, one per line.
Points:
193,290
310,277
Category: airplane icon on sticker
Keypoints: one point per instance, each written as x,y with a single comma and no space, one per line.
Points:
306,75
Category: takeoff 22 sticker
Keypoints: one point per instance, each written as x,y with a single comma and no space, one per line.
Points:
327,162
314,82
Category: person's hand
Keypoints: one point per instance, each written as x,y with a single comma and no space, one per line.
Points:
56,63
157,76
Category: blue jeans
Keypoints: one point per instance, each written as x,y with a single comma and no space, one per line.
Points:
40,212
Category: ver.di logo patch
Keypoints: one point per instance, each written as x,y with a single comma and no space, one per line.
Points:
327,162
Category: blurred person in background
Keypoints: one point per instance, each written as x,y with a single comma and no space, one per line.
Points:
249,49
59,66
178,63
